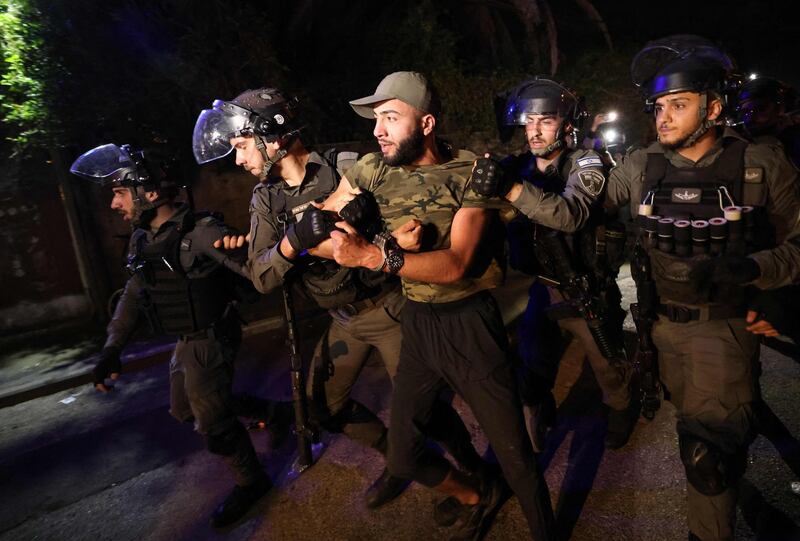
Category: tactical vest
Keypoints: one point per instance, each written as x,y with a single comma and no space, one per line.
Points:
596,249
687,225
174,303
325,281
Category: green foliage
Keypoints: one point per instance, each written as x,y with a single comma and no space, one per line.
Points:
24,112
78,73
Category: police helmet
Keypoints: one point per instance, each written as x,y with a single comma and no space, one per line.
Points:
762,101
264,113
112,165
540,96
681,63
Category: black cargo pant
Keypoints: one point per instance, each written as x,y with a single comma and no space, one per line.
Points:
463,345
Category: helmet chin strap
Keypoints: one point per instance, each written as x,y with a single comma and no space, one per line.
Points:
269,162
558,144
705,123
142,207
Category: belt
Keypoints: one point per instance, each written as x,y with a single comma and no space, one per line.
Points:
677,313
352,309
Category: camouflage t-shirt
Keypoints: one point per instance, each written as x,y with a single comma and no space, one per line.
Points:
432,194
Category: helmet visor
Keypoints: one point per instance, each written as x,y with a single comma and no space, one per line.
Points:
103,164
216,127
518,109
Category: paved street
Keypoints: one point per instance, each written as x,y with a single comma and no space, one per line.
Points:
80,465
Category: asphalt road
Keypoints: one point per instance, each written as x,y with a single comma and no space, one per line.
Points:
79,465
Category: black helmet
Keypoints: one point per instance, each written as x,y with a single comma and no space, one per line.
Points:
539,96
138,170
681,63
542,96
762,101
768,89
112,165
264,113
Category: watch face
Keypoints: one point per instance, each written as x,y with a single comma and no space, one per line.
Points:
395,261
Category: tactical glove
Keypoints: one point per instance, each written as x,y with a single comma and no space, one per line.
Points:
489,178
734,270
108,364
314,227
362,212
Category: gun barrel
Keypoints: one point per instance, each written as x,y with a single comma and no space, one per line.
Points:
302,430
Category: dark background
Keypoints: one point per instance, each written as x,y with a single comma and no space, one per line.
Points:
80,73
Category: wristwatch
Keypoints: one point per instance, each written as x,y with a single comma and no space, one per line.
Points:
392,253
395,261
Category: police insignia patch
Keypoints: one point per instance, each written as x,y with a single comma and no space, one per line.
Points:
592,181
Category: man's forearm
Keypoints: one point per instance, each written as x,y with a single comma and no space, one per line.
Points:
437,267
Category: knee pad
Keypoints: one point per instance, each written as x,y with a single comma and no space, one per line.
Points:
708,469
225,443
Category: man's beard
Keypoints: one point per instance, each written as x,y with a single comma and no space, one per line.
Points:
408,150
677,143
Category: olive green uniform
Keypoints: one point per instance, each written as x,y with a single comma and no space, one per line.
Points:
709,365
583,178
359,325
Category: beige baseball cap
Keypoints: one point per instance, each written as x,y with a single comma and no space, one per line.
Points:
407,86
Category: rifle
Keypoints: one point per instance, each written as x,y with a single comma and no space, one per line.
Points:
303,430
580,296
644,314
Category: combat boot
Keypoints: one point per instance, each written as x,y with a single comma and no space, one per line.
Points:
239,502
447,511
384,489
475,520
620,427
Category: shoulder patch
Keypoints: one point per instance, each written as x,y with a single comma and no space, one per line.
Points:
753,175
592,181
589,161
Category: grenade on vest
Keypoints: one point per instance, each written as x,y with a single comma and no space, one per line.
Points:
736,240
650,229
683,237
666,241
700,236
718,230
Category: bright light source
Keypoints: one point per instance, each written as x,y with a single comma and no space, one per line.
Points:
752,76
611,116
610,135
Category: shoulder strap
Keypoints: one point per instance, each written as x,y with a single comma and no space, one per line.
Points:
730,167
566,167
655,171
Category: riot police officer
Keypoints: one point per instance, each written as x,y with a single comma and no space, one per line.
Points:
712,208
764,106
559,191
184,287
289,242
